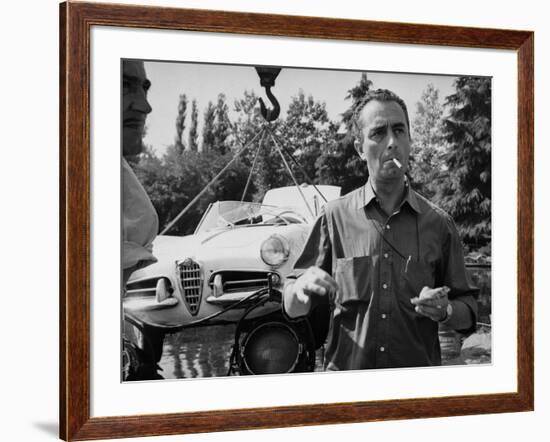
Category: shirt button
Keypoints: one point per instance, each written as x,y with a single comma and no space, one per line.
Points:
386,255
384,316
387,227
385,286
382,349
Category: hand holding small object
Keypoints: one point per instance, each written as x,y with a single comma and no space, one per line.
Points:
432,302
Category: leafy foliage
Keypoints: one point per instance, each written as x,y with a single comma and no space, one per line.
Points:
180,122
304,132
221,130
173,182
428,143
466,190
193,129
450,161
355,94
208,141
339,163
247,128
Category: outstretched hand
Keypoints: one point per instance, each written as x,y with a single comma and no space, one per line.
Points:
314,282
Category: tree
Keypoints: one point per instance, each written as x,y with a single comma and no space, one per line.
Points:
356,94
217,130
222,130
249,120
249,123
304,132
428,143
208,138
339,163
193,129
269,170
466,193
175,180
180,122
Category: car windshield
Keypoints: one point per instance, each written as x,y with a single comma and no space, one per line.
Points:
231,214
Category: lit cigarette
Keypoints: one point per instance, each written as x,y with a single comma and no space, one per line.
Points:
397,163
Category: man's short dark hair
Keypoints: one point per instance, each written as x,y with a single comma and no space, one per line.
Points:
383,95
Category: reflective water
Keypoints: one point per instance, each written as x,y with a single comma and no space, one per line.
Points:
204,352
197,352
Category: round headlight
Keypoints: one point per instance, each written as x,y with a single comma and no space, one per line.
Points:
274,251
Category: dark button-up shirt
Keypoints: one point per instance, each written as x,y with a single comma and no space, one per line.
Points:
380,262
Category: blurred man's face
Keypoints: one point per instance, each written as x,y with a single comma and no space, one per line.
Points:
135,106
385,136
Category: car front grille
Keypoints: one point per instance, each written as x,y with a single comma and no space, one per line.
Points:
244,280
191,284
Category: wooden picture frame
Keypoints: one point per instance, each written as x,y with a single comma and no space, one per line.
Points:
76,21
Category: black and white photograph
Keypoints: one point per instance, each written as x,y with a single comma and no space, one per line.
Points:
280,220
276,220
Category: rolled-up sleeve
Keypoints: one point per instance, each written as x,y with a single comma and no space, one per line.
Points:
139,222
455,275
317,249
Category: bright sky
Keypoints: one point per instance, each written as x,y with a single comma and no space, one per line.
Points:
204,82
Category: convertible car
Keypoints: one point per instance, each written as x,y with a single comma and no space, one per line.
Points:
230,270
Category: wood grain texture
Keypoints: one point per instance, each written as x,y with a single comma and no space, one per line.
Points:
75,224
258,418
299,26
75,22
62,224
526,215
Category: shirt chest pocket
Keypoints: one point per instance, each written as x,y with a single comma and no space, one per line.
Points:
415,275
354,277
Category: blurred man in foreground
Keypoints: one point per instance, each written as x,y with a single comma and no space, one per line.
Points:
140,221
142,347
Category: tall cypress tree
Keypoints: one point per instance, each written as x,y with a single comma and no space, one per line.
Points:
180,122
221,126
208,138
193,129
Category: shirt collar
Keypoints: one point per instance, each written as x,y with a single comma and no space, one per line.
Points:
366,195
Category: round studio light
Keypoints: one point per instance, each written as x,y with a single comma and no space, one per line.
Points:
271,348
274,251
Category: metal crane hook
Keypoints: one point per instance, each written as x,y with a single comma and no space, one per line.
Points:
270,114
267,81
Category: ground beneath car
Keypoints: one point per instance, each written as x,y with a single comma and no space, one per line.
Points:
204,352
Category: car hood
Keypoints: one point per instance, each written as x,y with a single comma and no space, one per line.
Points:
169,249
241,237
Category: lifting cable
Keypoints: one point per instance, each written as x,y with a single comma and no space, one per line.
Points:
260,143
212,181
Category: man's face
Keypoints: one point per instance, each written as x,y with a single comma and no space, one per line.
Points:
135,106
385,136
